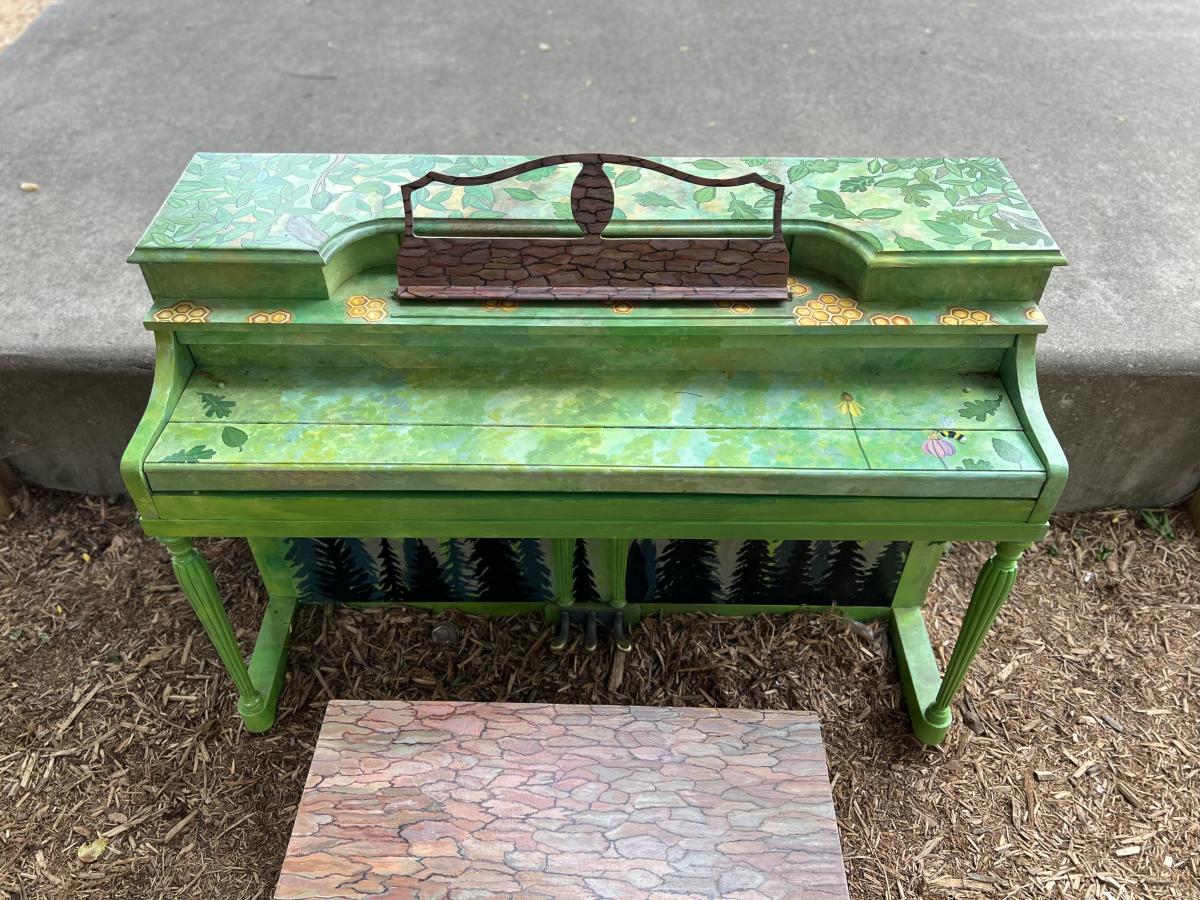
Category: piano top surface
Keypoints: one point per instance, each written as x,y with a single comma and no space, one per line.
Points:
288,204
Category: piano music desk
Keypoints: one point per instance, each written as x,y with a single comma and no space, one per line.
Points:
829,361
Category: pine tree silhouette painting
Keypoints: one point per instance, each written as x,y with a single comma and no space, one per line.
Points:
822,554
302,556
535,570
884,576
846,576
497,571
687,573
410,553
341,576
794,581
583,583
426,581
458,574
391,574
637,587
753,575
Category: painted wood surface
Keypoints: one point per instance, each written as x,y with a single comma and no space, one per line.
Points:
564,801
818,305
301,202
891,397
673,575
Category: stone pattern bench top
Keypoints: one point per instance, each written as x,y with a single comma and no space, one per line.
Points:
441,799
289,203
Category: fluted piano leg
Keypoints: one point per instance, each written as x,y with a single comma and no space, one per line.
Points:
195,577
992,588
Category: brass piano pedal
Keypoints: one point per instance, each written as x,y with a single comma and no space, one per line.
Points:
563,634
590,640
618,632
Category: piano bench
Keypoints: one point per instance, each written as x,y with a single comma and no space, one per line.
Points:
730,397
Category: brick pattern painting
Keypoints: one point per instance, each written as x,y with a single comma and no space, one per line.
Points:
590,266
442,799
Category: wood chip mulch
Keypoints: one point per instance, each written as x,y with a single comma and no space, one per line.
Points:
1073,769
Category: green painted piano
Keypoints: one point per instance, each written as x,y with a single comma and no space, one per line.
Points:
596,388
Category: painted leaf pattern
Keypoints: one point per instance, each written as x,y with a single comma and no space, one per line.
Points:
298,201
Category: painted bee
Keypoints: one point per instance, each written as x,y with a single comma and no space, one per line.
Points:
954,435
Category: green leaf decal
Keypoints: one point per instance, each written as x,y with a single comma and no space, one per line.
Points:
704,194
710,165
521,194
942,228
191,455
979,410
907,243
831,199
894,182
975,465
216,406
233,437
651,198
739,209
321,199
477,196
1007,451
562,210
754,160
629,176
536,174
878,213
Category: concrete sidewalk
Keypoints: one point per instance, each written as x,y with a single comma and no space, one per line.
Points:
1092,108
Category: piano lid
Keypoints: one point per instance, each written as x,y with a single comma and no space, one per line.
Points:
288,203
937,229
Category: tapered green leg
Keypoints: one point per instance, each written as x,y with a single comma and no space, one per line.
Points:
196,579
992,587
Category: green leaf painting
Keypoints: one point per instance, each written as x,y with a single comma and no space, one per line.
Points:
1007,451
975,465
979,410
478,196
521,194
654,200
191,455
917,204
216,406
233,437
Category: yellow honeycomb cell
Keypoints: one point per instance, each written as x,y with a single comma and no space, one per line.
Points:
960,315
373,309
182,313
890,320
504,305
827,309
274,317
1033,314
737,307
797,289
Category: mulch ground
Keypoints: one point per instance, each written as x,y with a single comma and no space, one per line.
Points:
1072,770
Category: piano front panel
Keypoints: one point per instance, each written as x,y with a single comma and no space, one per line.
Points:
673,572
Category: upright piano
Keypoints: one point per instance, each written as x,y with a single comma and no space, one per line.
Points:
595,388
